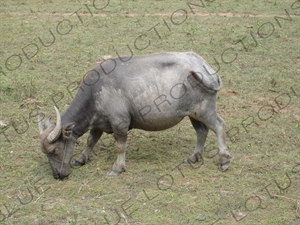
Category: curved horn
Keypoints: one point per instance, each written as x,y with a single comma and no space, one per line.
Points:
57,130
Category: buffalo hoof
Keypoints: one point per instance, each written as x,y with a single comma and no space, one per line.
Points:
80,161
113,173
196,157
224,162
77,163
116,170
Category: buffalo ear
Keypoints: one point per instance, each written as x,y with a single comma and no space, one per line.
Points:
47,122
67,130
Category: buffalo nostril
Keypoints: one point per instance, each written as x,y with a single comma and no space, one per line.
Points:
61,177
56,176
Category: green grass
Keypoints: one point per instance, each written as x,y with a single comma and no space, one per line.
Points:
263,153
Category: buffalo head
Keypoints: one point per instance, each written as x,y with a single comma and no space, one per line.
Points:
58,144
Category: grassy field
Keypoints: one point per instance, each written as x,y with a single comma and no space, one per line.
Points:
46,47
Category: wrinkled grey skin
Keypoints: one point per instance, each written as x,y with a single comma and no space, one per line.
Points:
152,92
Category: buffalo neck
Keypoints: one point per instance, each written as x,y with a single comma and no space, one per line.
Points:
80,111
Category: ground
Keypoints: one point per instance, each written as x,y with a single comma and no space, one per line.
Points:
48,46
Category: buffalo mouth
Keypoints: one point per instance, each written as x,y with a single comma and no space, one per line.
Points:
59,176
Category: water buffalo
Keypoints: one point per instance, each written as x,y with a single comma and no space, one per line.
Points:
151,92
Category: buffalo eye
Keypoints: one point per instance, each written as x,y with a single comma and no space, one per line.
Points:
52,152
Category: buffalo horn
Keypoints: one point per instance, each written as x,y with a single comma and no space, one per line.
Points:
57,129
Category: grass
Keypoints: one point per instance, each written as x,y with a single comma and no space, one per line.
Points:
153,190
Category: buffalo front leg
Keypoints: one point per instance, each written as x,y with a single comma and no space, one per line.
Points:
119,165
93,138
202,131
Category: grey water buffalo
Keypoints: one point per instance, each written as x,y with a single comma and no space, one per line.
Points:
151,92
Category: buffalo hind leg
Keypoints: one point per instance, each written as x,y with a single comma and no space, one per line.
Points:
93,138
217,125
202,132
